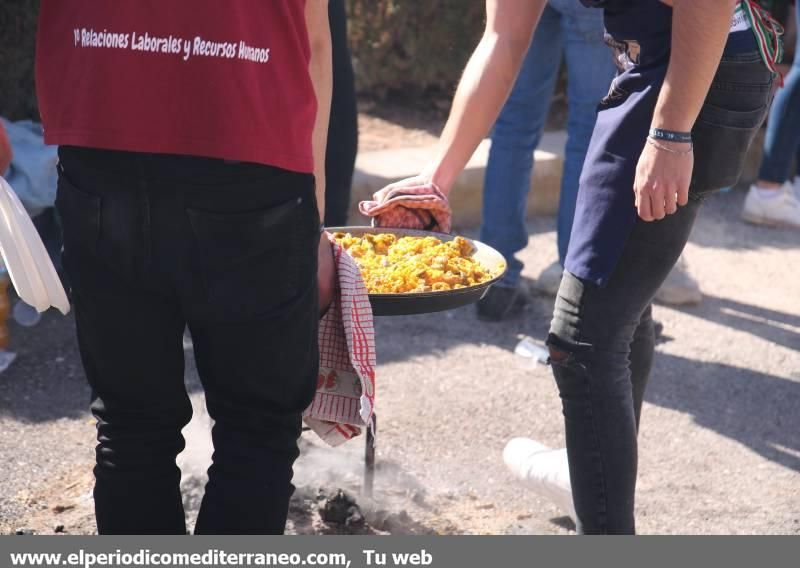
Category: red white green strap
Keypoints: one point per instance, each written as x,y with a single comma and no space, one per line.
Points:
768,34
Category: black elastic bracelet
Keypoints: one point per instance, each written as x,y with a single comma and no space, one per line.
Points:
670,135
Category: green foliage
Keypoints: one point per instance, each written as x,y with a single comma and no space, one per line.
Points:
17,40
412,46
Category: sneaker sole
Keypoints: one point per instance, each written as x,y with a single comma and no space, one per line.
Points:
767,222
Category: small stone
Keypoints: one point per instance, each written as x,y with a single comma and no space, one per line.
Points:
59,529
336,509
354,517
24,532
379,518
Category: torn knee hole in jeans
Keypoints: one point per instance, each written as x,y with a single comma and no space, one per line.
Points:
557,355
563,352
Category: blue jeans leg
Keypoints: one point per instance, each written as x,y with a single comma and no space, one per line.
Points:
590,68
782,142
515,136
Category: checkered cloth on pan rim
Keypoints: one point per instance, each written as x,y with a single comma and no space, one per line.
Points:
423,207
345,396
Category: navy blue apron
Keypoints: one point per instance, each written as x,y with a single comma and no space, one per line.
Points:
639,32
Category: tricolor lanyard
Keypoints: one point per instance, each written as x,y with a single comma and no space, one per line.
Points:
768,34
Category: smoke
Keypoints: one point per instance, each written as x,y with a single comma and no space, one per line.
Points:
318,464
319,472
196,457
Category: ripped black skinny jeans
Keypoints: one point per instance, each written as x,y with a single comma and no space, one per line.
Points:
601,339
601,344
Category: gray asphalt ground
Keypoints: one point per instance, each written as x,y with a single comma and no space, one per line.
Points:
719,442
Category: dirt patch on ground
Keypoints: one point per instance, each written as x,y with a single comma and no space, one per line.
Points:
63,505
388,125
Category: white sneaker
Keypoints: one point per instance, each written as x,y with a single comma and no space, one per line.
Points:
549,280
679,288
783,210
543,469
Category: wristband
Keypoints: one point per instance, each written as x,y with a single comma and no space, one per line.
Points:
670,135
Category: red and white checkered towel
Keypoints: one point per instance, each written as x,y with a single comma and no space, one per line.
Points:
345,395
423,207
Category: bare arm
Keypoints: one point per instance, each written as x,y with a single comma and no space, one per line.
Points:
484,87
485,84
320,69
699,33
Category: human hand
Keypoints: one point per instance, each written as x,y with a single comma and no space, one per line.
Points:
422,180
662,179
412,203
326,273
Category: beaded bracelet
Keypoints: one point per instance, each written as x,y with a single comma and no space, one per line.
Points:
670,135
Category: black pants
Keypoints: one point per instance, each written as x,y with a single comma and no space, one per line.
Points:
606,340
340,156
153,243
601,339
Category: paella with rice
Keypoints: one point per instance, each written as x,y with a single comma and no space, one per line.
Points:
396,264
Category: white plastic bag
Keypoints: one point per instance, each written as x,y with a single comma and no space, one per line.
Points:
29,266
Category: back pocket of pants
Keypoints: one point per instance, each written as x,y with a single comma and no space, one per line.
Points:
251,262
734,110
722,138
